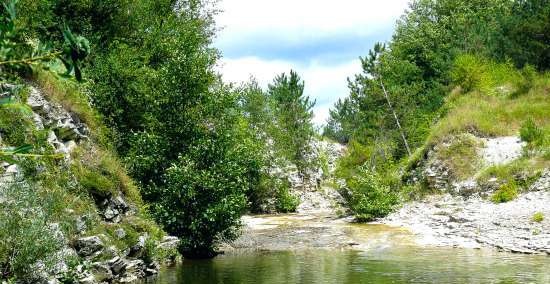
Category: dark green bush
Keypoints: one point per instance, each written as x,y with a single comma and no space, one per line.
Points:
368,197
202,205
285,201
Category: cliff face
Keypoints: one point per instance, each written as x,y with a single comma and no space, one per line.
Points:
69,211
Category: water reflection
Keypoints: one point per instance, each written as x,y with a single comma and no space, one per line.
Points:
402,265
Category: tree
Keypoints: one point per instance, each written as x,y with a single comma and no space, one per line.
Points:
371,65
293,111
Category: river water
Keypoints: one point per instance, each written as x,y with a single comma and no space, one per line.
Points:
299,250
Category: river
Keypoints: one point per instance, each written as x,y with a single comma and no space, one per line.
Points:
298,248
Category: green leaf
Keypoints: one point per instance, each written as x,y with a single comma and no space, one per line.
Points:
23,149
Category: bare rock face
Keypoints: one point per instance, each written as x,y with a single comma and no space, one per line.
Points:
66,126
113,208
169,243
88,246
501,150
490,152
543,183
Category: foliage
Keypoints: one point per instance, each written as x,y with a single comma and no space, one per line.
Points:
293,114
280,122
25,237
538,217
212,198
530,132
367,196
286,202
18,54
506,192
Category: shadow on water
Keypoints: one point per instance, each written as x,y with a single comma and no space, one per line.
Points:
399,265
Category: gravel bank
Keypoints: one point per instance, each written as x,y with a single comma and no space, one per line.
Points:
446,220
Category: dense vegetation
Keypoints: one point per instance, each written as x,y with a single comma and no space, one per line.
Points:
189,140
194,153
404,88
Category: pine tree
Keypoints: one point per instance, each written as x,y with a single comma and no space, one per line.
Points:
293,111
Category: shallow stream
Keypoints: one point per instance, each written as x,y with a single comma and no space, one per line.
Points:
319,249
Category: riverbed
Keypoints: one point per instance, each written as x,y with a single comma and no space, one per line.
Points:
306,248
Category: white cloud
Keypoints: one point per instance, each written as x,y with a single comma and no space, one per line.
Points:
251,28
302,19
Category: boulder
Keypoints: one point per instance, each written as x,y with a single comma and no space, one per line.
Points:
169,243
120,233
117,265
113,208
138,249
543,183
87,246
101,271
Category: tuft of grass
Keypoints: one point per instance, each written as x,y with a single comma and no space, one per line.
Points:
101,173
505,193
538,217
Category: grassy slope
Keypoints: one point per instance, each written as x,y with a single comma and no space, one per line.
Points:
66,193
498,101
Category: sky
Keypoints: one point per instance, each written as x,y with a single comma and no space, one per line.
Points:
320,39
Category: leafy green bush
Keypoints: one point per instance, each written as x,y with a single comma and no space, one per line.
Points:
530,132
25,238
506,192
368,197
202,205
538,217
285,201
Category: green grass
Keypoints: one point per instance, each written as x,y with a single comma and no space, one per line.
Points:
70,95
461,156
538,217
490,100
505,193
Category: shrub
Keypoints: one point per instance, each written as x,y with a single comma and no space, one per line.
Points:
530,132
538,217
286,202
202,205
470,72
368,197
506,192
25,238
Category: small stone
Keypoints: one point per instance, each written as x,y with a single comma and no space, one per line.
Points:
138,249
70,146
120,233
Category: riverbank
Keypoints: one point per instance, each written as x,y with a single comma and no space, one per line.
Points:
446,220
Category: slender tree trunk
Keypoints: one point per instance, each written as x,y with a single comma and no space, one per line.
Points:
395,116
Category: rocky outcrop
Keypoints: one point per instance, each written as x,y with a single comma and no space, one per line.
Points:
113,209
490,152
88,246
543,183
447,220
65,133
65,125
